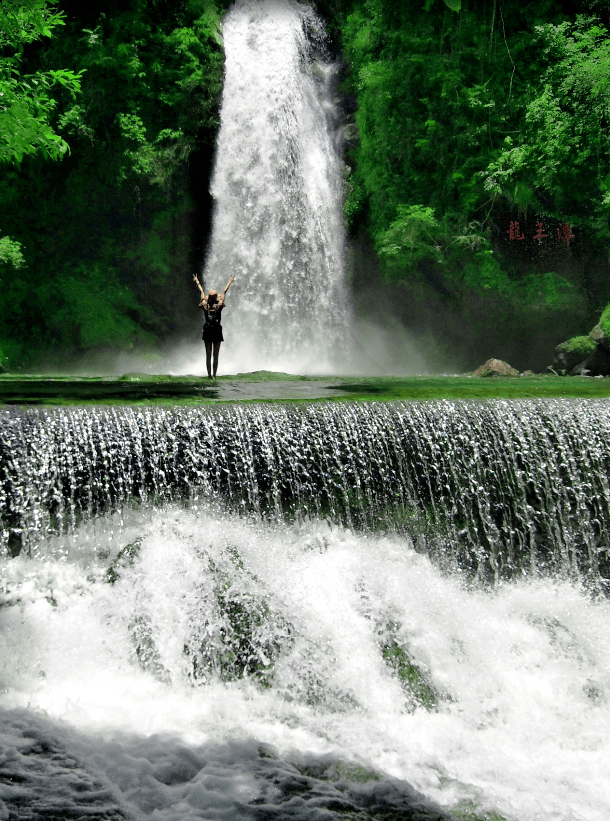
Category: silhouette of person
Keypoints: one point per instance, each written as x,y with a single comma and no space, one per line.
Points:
212,306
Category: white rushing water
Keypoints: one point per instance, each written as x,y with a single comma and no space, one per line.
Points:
495,489
277,186
220,634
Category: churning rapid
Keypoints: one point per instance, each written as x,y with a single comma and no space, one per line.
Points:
259,612
277,187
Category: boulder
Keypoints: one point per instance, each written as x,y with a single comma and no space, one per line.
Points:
601,333
495,367
596,364
574,352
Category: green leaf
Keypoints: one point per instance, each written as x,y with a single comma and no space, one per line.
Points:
454,5
11,252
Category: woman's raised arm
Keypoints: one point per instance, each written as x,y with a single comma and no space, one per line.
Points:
203,301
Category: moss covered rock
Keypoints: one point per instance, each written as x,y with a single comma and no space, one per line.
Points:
596,364
571,353
601,332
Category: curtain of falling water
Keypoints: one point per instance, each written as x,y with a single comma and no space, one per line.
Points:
495,489
277,188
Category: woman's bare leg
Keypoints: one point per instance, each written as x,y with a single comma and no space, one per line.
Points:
208,358
216,349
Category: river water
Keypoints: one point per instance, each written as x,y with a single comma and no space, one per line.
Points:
160,645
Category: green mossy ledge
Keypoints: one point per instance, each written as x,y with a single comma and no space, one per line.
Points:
268,386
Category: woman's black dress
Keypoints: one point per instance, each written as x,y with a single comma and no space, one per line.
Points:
212,330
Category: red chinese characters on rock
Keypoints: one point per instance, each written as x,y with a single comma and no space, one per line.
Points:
539,234
563,232
513,231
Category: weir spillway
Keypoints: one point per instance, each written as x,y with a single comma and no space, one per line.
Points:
207,612
490,488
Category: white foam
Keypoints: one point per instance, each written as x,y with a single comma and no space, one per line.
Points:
524,670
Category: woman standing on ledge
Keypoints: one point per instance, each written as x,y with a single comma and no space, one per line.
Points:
212,306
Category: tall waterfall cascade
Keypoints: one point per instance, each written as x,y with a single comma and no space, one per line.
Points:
277,187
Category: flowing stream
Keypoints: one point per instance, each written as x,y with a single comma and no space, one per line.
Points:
277,186
297,612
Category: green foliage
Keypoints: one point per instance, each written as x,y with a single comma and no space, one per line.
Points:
431,103
604,322
445,105
93,309
109,231
90,309
412,236
471,263
10,253
580,346
165,87
24,21
549,291
11,260
562,152
26,103
429,100
482,271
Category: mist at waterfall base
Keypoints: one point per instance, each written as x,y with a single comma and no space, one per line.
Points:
175,658
278,189
375,348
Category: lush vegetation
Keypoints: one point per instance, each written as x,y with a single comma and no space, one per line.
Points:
479,173
477,142
95,248
26,102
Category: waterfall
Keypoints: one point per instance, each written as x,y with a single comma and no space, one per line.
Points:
303,611
493,489
277,186
256,611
